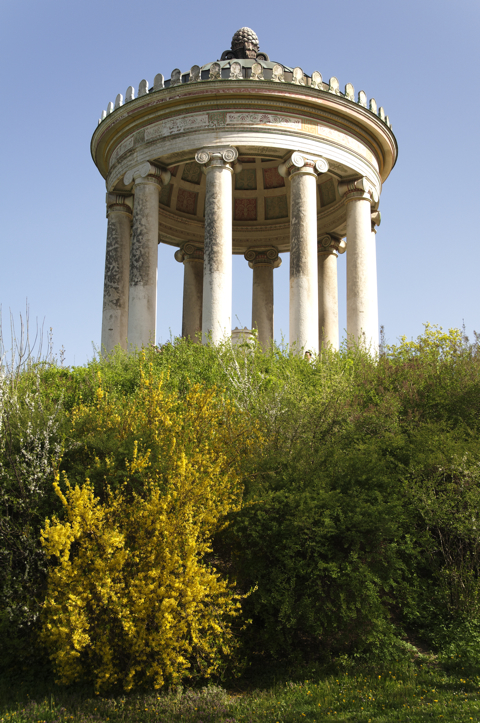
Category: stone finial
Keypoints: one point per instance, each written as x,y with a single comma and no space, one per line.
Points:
235,71
298,76
362,98
387,121
350,92
118,101
143,88
104,115
278,73
334,86
215,72
317,80
381,113
245,41
257,72
176,77
373,105
130,94
110,108
194,76
158,82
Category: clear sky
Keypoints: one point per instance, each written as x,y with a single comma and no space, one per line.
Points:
62,62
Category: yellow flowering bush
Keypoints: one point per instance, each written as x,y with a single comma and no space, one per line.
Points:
131,598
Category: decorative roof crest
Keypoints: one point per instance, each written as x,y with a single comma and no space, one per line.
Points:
244,46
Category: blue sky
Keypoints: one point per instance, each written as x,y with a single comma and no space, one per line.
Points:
61,62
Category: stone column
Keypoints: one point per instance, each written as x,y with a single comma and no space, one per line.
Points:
117,260
217,164
328,250
142,300
263,262
302,172
192,258
362,304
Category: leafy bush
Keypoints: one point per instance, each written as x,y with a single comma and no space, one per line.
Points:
131,598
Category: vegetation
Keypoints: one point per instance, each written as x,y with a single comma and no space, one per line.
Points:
196,511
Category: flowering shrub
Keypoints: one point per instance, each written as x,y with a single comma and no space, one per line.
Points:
131,598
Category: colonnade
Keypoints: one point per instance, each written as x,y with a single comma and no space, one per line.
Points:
130,290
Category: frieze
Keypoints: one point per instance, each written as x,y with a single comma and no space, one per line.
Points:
197,121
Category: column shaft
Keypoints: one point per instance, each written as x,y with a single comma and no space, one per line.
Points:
192,296
362,304
303,261
115,289
328,300
142,317
262,302
217,269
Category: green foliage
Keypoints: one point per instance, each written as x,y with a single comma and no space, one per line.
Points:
358,522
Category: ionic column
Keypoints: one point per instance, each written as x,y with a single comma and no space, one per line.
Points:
302,172
362,304
217,268
328,250
117,260
263,262
192,258
142,300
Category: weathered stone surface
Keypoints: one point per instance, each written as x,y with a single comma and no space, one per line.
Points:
334,86
362,305
327,294
194,76
236,71
381,113
143,88
373,105
317,80
362,98
142,317
278,73
115,289
158,82
110,108
215,71
130,94
192,258
298,76
257,72
118,100
217,275
350,92
176,77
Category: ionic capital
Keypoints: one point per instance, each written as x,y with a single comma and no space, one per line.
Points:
122,203
301,163
328,244
218,157
361,188
189,252
376,219
147,173
263,257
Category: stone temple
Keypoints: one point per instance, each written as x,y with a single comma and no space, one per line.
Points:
243,156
